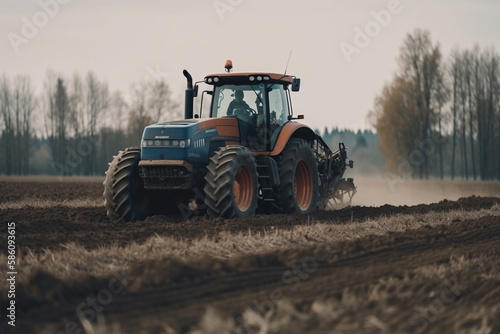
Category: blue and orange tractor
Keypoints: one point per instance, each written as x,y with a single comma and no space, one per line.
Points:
249,155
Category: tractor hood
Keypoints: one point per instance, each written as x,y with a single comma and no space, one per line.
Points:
171,130
191,140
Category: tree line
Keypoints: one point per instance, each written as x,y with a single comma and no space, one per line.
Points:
76,124
440,116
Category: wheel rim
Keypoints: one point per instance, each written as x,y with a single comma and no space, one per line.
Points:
243,188
303,185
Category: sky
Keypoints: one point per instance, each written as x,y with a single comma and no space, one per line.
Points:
344,51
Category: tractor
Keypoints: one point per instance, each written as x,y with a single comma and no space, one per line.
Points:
249,156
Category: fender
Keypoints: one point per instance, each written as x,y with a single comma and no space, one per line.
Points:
289,130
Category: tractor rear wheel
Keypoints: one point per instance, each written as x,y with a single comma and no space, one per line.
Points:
124,195
299,180
231,188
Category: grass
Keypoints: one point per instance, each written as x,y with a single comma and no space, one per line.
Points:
44,203
347,312
75,259
376,308
367,309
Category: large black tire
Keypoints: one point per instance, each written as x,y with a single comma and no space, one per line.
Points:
298,191
124,195
231,188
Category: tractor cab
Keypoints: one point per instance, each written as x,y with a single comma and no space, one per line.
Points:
260,101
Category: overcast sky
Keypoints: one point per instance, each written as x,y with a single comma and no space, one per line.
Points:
123,41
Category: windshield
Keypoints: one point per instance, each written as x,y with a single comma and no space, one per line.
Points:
261,109
229,99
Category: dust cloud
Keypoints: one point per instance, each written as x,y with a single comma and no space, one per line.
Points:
380,191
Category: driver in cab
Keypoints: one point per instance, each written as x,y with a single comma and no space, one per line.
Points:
237,103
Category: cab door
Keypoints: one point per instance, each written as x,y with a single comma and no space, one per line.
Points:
278,113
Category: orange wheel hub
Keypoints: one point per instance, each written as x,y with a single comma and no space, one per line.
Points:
243,188
303,185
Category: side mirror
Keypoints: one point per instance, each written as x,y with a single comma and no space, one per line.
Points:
295,85
195,91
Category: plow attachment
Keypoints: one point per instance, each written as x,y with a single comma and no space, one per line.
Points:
334,189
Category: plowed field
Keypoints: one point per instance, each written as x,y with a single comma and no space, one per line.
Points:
414,268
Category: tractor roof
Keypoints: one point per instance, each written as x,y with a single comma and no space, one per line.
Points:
247,78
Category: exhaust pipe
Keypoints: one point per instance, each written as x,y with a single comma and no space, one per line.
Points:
189,96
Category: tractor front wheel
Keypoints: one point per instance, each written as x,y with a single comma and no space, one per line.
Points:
124,195
231,188
299,180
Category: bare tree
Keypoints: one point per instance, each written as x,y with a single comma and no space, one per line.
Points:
57,120
61,120
160,101
76,126
454,73
8,122
394,119
97,101
76,106
470,65
462,75
442,98
118,108
491,76
151,102
408,111
475,76
138,115
17,102
420,63
24,104
497,131
486,95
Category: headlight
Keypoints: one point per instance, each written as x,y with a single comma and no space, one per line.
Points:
178,143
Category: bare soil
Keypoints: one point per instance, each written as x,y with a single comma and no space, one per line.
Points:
436,279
